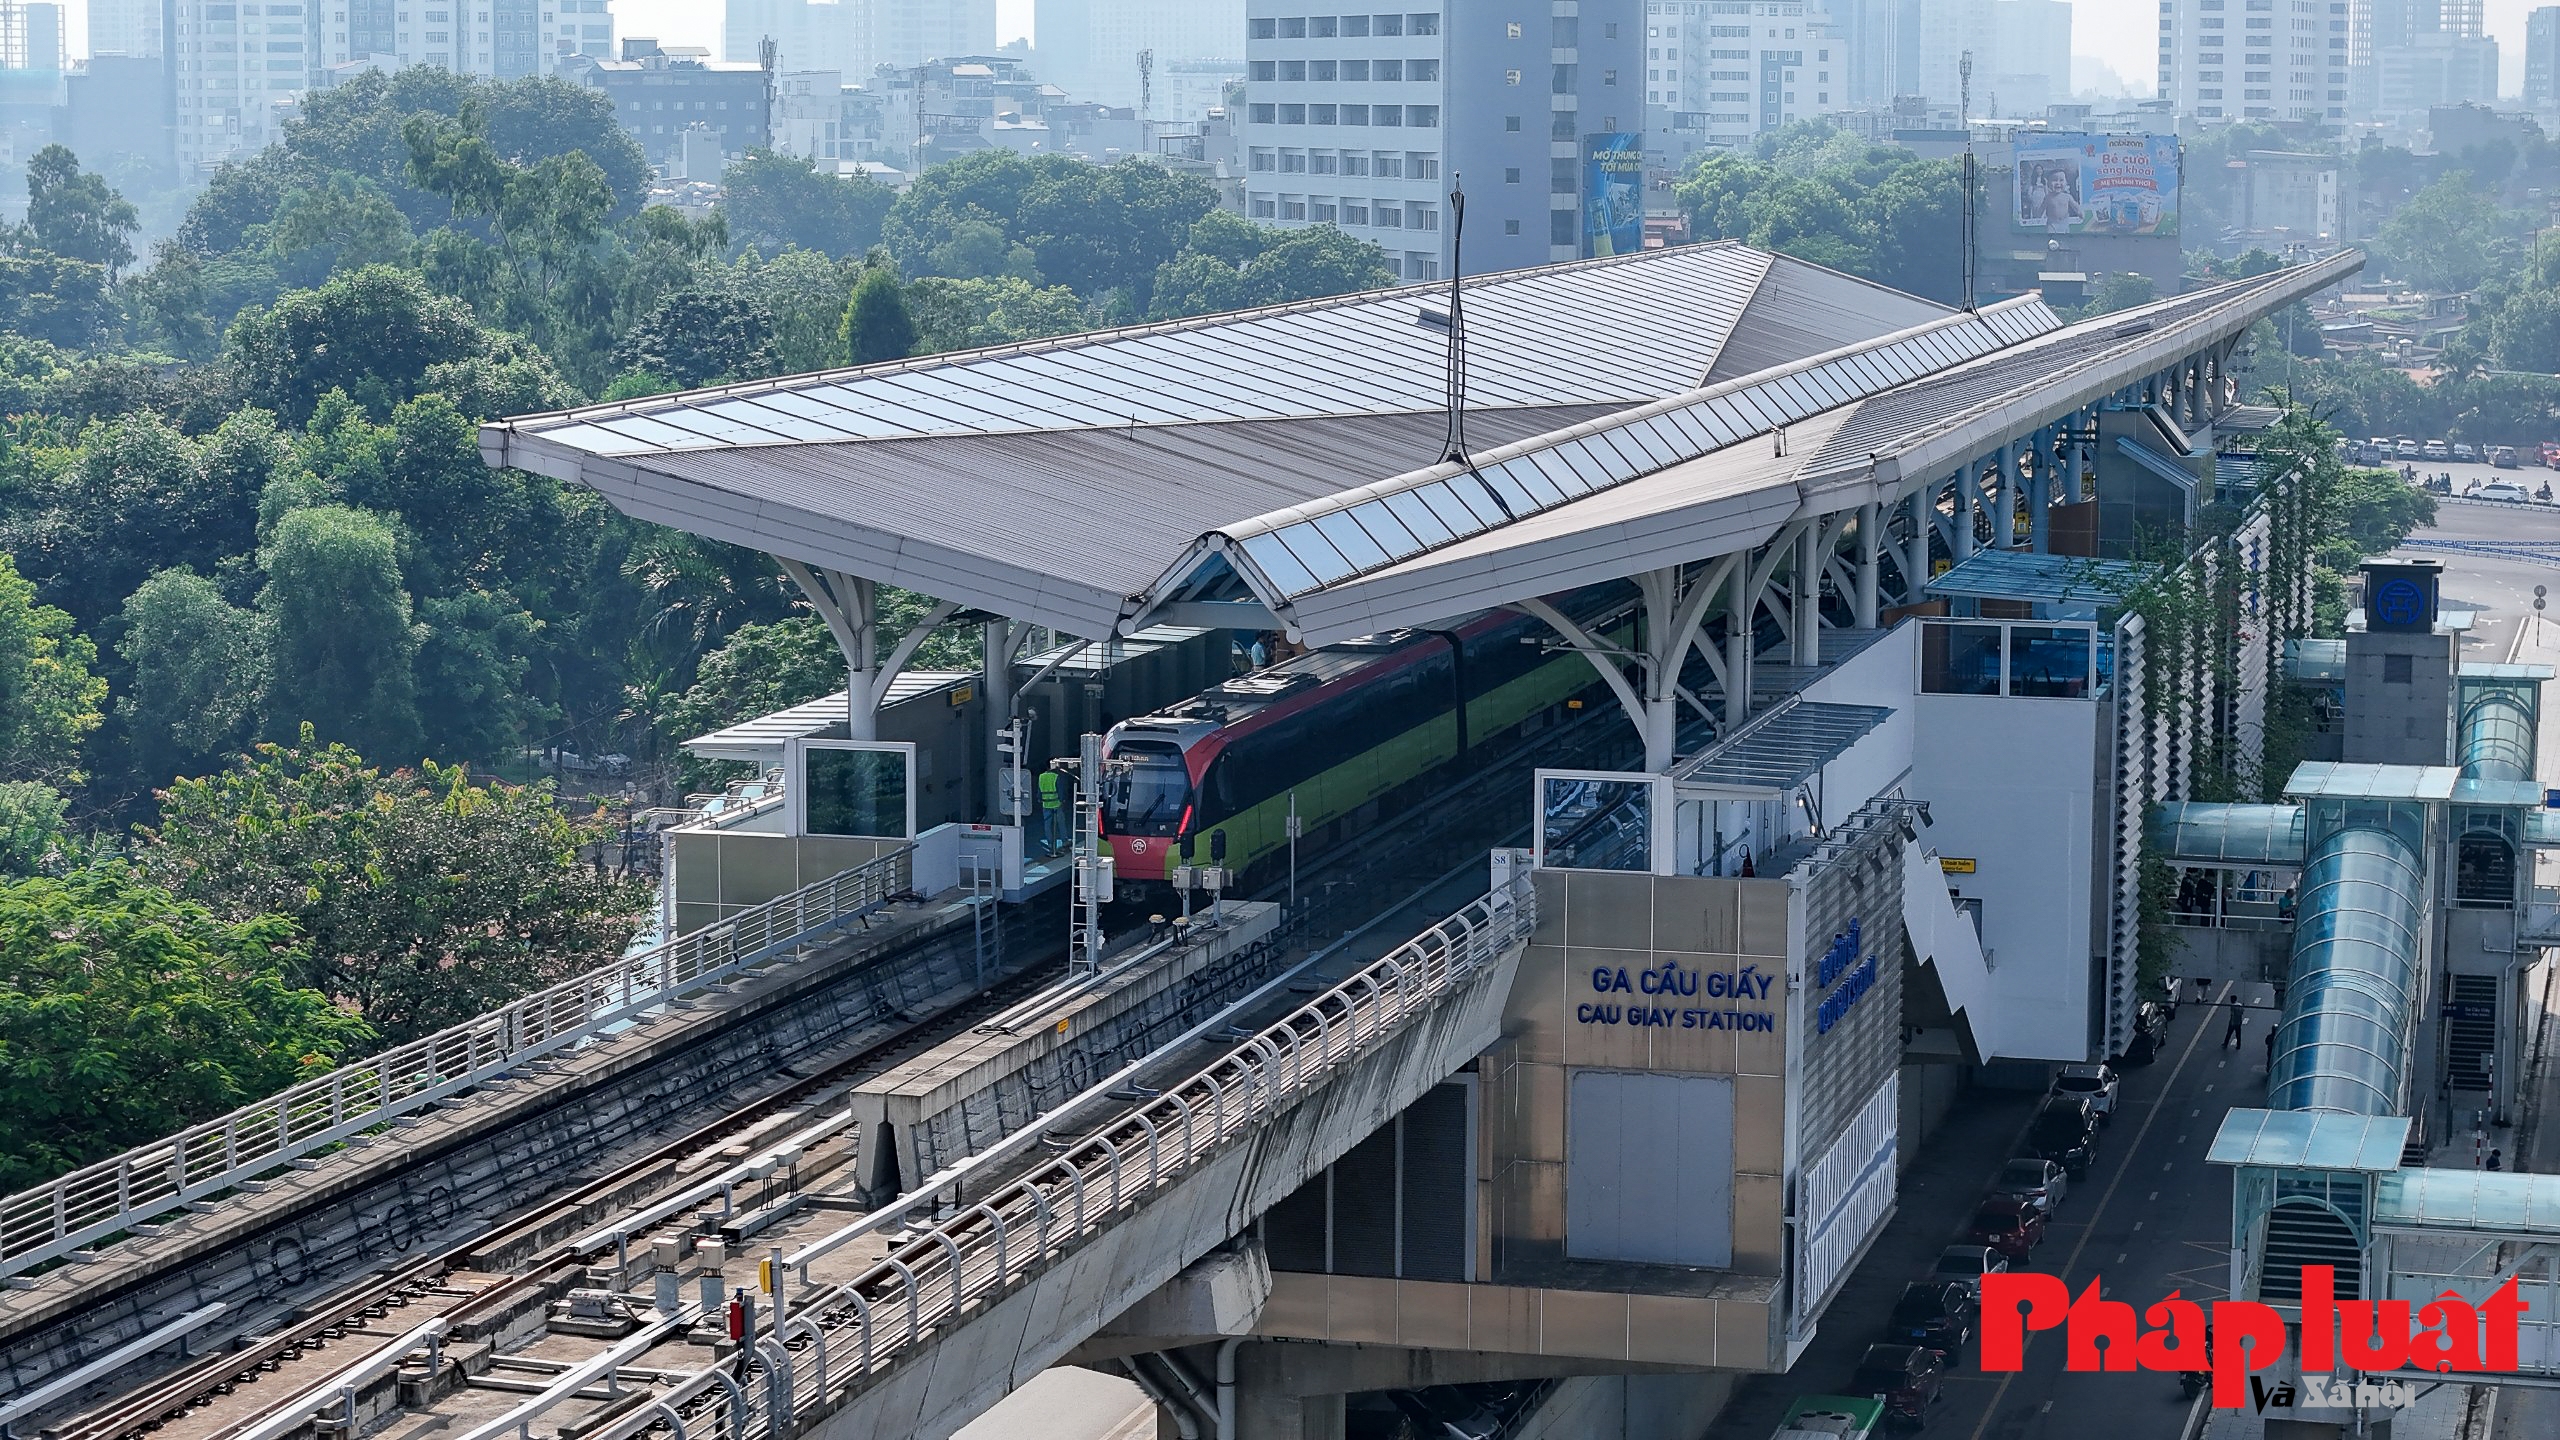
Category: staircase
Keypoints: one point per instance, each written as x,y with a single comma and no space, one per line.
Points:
2302,1232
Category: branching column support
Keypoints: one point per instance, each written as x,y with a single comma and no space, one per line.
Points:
1915,558
1864,602
1675,601
851,607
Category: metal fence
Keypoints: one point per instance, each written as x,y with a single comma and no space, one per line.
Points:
113,1195
834,1339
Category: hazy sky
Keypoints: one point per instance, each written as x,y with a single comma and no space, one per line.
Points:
2122,33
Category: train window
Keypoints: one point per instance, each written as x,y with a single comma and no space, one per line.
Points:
1147,792
1276,563
1384,528
1356,544
1411,509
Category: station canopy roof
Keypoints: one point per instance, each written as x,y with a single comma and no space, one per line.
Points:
1285,466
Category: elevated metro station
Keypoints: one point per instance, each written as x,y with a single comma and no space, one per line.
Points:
1853,566
1807,615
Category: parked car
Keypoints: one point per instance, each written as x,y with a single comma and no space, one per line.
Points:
2436,450
1905,1377
2505,490
1935,1315
2504,457
2550,453
2150,1032
2007,1224
2463,452
2406,448
1969,1263
2038,1181
2065,1132
2094,1083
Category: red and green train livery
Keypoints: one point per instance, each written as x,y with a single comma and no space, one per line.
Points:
1340,727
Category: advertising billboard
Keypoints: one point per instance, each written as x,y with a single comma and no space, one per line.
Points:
2096,184
1612,194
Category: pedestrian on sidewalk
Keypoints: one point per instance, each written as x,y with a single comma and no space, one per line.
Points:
2494,1157
2239,1022
2271,1050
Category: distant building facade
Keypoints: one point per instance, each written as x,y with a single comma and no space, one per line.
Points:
1360,120
660,93
1090,48
2268,61
809,35
2408,56
124,27
2542,60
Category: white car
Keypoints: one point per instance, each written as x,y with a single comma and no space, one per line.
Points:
2505,490
2093,1083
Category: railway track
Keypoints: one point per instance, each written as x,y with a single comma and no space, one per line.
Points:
1368,868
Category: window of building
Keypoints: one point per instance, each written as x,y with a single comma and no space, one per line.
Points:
1388,25
1355,114
1262,29
1323,162
1390,164
1511,31
1422,117
1511,176
1319,114
1355,25
1355,162
1422,70
1387,70
1320,70
1293,69
1293,114
1263,207
1422,166
1355,69
1259,114
1293,162
1294,28
1386,115
1511,124
1355,212
1512,77
1321,211
1608,77
1293,207
1321,27
1422,217
1422,24
1261,159
1263,70
1560,227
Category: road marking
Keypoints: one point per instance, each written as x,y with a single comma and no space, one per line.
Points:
1984,1426
2138,1224
2181,1140
2172,1165
2154,1195
2194,1113
2119,1257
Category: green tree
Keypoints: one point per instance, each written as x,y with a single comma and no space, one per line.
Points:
968,314
50,692
876,323
344,223
1229,263
126,1014
75,214
472,666
198,666
34,826
805,293
340,634
2448,237
776,201
425,899
373,333
2120,290
699,337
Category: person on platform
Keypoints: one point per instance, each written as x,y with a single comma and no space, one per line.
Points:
2239,1022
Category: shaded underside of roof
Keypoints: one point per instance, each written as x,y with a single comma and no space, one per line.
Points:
1805,310
994,501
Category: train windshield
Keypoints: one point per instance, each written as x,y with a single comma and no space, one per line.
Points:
1147,793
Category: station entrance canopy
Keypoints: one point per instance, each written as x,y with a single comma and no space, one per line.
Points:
1276,468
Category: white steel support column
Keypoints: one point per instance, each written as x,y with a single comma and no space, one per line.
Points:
851,607
1675,601
1968,500
2004,528
1915,558
1805,607
1863,605
1001,641
1739,610
2040,502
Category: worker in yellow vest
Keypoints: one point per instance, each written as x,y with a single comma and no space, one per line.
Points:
1057,790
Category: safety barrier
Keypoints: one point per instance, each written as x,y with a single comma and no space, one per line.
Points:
833,1339
114,1195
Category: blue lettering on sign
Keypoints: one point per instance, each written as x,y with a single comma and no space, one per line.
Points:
1842,954
1680,982
1837,1003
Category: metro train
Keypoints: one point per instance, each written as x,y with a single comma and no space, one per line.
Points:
1340,727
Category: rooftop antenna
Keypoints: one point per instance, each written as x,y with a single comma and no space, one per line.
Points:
1456,448
1964,117
1146,89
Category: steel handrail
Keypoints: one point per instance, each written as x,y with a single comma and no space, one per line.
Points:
107,1196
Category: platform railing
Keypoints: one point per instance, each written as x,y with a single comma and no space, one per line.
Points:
112,1196
834,1338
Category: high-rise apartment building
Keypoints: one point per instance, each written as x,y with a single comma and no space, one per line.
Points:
503,39
1365,120
808,35
1731,69
124,27
2542,60
237,60
1090,48
910,32
2263,60
2030,57
2409,56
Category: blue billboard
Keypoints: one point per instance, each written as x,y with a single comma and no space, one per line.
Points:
1612,194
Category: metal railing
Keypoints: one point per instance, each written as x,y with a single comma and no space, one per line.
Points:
832,1339
113,1195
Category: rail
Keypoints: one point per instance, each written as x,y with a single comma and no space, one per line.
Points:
114,1195
836,1337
